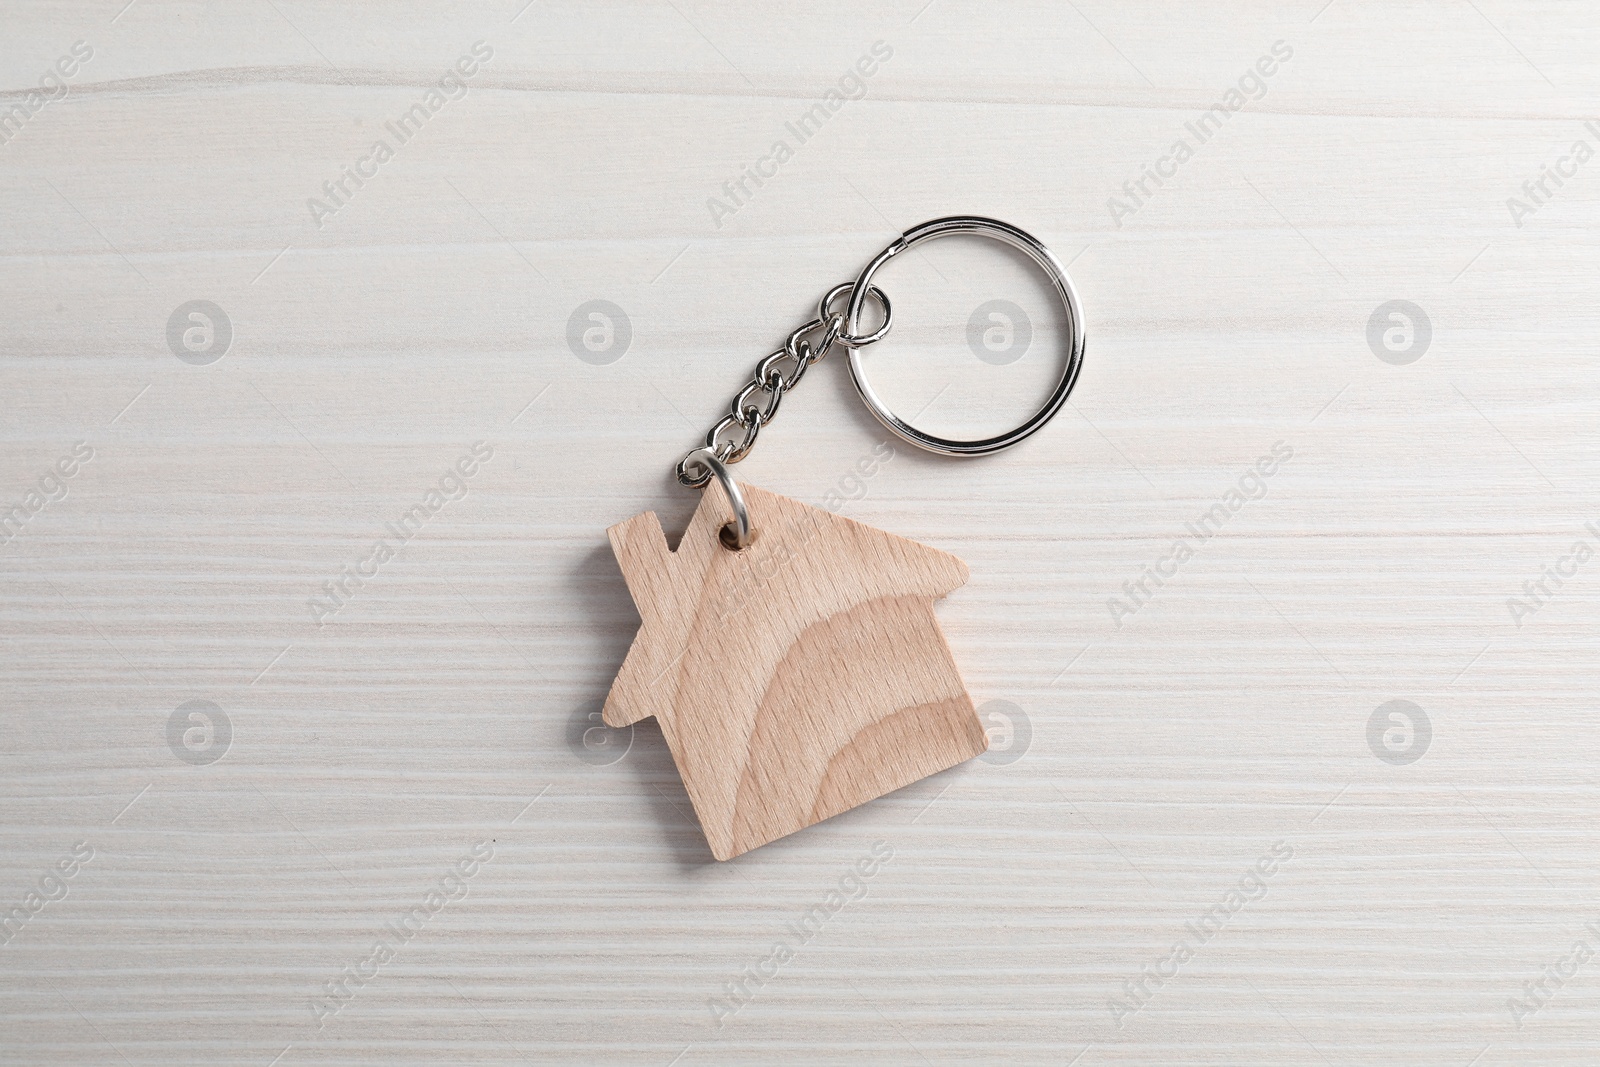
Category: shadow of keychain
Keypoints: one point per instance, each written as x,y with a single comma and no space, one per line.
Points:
792,656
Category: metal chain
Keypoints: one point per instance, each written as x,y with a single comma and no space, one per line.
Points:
755,405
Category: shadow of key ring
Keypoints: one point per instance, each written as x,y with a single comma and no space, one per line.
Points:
1025,243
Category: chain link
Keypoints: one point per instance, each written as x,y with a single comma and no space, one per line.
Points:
755,405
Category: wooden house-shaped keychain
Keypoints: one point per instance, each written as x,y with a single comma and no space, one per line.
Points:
792,656
797,678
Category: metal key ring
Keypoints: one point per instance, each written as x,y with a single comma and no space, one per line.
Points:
1034,250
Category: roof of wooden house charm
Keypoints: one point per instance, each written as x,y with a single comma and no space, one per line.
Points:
797,678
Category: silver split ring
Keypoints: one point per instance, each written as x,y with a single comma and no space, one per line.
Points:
981,227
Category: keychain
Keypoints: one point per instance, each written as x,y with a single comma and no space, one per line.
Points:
792,656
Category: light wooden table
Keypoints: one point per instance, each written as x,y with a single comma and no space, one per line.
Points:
431,735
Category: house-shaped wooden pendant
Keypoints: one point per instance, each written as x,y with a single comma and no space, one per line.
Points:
797,678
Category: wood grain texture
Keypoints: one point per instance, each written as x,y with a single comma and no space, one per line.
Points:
1137,773
796,678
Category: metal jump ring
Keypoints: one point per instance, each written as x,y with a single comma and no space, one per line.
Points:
848,338
738,534
981,227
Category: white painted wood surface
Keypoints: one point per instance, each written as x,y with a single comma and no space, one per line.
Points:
444,704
